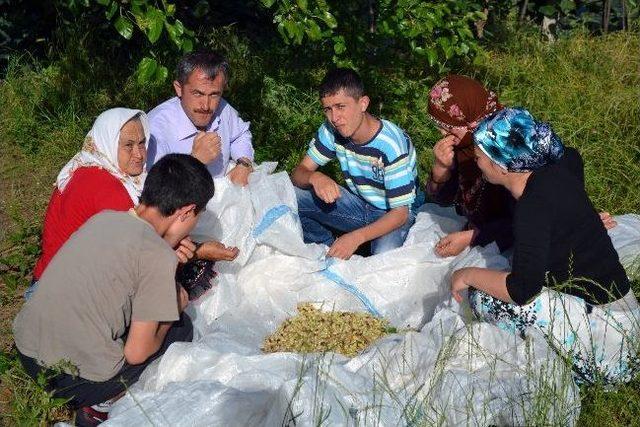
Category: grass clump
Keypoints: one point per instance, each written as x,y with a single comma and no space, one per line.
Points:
588,88
25,402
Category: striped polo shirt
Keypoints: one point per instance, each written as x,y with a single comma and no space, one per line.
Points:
382,171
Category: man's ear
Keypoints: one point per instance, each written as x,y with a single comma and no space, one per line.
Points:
185,211
178,88
364,103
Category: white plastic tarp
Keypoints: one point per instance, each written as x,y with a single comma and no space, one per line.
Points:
441,369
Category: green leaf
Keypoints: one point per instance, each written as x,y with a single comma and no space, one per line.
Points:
187,45
267,3
548,10
113,8
339,46
161,74
175,32
303,5
103,2
155,22
432,56
313,30
136,9
171,9
567,6
291,28
329,19
124,27
146,69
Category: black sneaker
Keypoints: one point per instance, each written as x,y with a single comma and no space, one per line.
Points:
89,417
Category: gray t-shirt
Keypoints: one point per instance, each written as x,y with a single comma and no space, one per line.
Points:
114,269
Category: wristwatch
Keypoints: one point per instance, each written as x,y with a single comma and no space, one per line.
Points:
245,162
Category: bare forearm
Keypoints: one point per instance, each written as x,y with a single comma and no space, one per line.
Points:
492,282
145,338
390,221
438,177
158,338
301,176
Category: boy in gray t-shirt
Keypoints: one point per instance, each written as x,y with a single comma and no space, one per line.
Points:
108,304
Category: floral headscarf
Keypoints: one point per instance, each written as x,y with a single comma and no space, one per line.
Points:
100,149
513,139
459,101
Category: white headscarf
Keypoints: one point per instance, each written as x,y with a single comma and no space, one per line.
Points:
100,149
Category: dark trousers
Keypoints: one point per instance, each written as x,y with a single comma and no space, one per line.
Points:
83,392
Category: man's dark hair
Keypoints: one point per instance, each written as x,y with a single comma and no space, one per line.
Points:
177,180
342,79
212,63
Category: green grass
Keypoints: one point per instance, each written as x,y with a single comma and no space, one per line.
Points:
588,88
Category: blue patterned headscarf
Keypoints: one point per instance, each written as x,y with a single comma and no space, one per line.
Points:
513,139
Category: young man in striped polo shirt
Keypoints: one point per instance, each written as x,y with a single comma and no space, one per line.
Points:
378,162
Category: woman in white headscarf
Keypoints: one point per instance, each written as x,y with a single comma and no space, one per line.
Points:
108,173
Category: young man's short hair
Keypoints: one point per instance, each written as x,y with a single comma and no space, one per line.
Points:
211,63
177,180
342,79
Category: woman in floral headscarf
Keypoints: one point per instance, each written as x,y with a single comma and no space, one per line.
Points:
108,173
566,279
457,104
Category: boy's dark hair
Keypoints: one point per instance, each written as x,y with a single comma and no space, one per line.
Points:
212,63
177,180
342,79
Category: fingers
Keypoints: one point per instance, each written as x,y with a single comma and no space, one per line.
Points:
188,244
336,251
327,190
457,296
607,220
184,254
330,195
443,150
442,248
216,251
181,257
344,246
228,254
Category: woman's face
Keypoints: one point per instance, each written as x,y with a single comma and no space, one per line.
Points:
132,149
490,170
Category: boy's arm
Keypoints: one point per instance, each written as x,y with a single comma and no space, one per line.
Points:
346,245
306,175
146,336
144,339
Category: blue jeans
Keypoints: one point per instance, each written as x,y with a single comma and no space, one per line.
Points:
348,213
31,289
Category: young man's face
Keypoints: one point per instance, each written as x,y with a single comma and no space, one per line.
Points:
200,96
132,150
344,112
183,224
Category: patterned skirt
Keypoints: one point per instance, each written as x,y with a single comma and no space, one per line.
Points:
602,341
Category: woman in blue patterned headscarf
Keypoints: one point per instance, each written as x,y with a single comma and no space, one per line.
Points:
566,279
516,141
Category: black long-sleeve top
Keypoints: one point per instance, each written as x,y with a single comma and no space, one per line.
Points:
558,236
498,227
